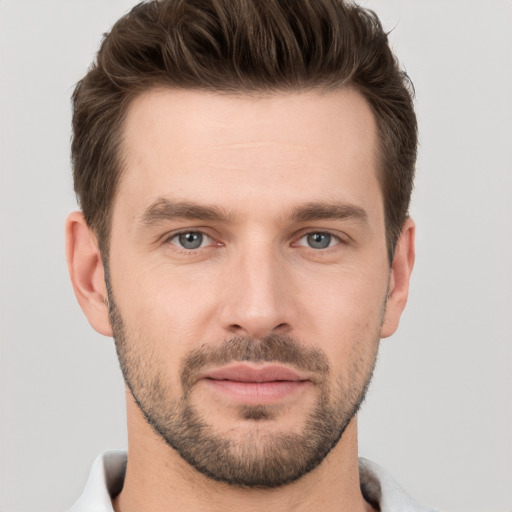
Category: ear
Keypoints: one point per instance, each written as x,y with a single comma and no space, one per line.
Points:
401,269
86,271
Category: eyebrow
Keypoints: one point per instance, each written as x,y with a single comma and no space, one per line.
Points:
324,211
164,210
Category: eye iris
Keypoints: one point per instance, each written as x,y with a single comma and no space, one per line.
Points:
319,240
190,240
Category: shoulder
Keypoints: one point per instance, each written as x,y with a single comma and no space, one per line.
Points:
380,488
105,482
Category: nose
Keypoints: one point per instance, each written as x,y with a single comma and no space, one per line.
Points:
258,296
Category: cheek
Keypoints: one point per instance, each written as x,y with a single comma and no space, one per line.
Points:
171,309
357,294
346,312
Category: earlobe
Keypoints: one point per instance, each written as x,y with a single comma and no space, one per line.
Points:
400,275
86,271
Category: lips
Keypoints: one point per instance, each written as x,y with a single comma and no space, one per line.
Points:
244,373
250,385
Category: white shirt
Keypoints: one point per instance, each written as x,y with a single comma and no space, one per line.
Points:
107,476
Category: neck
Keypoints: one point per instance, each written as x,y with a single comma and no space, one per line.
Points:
158,479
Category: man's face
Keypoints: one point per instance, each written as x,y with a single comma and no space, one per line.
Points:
248,275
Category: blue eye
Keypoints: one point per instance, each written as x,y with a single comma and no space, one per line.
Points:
318,240
190,240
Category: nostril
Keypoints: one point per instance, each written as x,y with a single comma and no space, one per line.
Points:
255,332
283,328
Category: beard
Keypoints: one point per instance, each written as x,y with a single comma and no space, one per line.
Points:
258,457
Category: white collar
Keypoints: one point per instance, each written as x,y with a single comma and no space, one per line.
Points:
107,476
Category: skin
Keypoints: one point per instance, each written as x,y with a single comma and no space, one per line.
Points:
257,159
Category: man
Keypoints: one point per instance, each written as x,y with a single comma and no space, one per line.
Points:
244,170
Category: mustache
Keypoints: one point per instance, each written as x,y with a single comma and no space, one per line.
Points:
276,349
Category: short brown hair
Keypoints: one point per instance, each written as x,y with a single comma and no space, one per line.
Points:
238,46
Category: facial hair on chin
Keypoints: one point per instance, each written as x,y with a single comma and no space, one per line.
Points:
260,459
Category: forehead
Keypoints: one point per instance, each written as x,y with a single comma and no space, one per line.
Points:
269,150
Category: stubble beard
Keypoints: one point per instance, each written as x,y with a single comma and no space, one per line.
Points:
259,457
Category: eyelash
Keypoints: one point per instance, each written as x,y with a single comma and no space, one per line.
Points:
168,240
338,241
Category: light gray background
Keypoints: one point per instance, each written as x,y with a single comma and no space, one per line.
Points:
439,414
